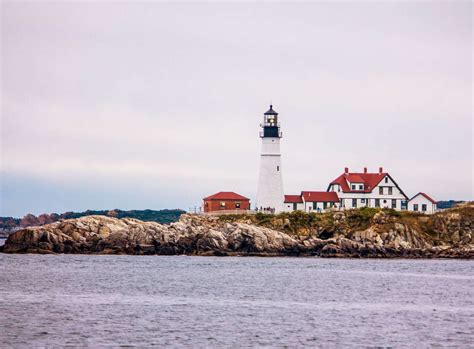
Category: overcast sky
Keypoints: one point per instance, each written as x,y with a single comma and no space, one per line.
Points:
156,105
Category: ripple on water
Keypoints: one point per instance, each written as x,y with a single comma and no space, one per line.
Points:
234,302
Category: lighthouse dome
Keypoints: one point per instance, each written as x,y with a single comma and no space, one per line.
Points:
270,111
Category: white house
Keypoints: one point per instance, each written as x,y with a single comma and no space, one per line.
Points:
311,201
421,202
378,189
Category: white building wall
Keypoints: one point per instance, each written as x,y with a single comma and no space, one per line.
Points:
309,207
420,200
288,207
270,183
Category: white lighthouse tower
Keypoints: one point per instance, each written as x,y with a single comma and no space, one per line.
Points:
270,183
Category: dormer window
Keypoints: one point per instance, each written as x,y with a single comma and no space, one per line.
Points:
361,187
353,187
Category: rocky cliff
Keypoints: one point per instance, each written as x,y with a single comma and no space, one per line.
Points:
355,233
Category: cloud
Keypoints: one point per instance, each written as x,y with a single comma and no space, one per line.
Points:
132,95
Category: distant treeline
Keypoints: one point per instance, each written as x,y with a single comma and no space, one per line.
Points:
448,204
161,216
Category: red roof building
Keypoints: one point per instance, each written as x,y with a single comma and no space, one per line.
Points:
319,196
316,201
293,199
360,189
366,189
359,182
226,201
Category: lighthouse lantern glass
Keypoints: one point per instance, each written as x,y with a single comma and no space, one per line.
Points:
271,120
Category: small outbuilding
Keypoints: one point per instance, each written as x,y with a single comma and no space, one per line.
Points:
423,203
311,201
293,203
226,201
319,201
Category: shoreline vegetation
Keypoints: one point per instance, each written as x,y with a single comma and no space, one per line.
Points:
366,233
11,224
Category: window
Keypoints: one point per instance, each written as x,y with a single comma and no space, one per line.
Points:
295,206
394,203
353,187
237,205
380,190
325,205
361,187
390,190
404,204
315,205
415,207
354,202
362,201
278,168
222,204
377,202
386,179
423,207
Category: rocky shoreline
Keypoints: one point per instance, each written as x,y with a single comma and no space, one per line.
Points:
350,234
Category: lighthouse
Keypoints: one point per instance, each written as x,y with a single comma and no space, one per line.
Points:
270,183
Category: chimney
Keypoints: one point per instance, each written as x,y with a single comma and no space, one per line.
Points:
380,169
346,170
365,169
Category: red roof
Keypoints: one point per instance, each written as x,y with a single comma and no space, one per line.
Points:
320,196
293,198
370,181
426,196
226,195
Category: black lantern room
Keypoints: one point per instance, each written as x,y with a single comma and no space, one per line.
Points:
271,127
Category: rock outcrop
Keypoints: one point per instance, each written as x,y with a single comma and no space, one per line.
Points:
383,234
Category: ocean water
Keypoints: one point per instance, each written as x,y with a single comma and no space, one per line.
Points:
197,302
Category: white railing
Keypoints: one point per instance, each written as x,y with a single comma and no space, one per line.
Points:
270,124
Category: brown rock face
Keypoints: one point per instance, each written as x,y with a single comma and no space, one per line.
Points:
445,235
191,235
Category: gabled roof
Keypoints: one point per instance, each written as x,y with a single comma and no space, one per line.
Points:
226,195
293,198
370,181
426,196
319,196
